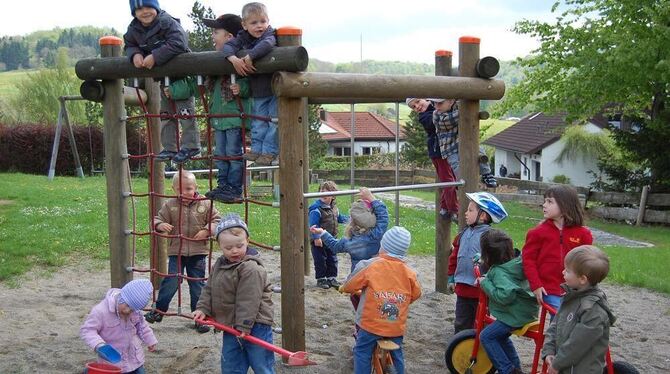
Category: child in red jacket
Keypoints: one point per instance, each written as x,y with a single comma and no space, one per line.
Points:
549,242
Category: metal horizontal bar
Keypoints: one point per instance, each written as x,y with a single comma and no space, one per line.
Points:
204,171
460,182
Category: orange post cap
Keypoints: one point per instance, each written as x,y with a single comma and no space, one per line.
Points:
469,40
443,52
110,40
289,31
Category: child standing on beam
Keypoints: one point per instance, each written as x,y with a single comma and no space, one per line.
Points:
258,39
153,38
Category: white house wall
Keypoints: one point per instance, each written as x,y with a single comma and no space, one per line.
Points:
386,147
576,170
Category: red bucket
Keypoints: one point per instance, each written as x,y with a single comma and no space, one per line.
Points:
102,368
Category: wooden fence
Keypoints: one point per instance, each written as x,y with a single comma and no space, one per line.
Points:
655,207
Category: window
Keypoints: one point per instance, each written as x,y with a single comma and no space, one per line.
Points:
342,151
371,150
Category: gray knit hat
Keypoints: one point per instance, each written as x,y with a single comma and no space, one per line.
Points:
362,215
136,293
410,99
396,241
229,221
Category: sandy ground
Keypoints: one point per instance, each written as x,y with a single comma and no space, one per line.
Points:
39,325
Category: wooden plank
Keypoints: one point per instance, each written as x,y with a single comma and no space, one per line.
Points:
397,87
630,214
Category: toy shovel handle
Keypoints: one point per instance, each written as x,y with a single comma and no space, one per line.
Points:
252,339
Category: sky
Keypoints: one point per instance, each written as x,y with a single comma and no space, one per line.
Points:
335,31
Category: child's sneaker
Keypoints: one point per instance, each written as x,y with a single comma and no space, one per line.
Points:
264,160
153,316
323,283
489,180
201,329
334,283
165,155
250,156
275,161
185,154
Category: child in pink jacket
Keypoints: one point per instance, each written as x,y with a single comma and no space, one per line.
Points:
117,321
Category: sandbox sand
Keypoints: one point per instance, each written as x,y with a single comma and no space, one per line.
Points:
39,326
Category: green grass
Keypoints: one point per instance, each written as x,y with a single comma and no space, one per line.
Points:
8,82
47,224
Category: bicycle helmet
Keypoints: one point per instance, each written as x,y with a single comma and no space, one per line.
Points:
488,203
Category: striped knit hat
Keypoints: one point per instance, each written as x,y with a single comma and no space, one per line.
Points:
229,221
396,242
134,4
136,293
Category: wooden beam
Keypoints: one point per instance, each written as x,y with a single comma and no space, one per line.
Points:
397,87
116,170
442,227
292,221
468,126
200,63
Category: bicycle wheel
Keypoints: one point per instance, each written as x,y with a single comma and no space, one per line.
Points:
622,367
459,350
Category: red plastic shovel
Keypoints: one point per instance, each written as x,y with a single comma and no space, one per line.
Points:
294,358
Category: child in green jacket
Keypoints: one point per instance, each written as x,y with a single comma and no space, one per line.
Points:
577,339
511,301
224,92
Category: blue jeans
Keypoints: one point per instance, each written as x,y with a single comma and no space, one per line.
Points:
195,267
366,343
554,301
264,133
495,340
454,162
237,355
325,262
229,144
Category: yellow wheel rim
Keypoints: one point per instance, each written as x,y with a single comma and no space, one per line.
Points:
460,358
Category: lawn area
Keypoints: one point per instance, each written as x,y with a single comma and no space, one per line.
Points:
46,224
9,80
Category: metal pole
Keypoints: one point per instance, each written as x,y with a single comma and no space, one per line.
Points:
73,142
54,149
397,163
352,145
386,189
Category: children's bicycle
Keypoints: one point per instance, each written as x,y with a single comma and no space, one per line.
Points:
465,355
382,363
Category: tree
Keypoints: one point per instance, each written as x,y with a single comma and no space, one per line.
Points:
415,150
200,38
581,143
317,146
604,55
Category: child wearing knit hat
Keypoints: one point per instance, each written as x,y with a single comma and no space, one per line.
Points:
117,321
384,306
153,38
238,294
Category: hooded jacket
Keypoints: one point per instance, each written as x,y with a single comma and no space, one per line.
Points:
104,326
238,294
261,84
544,252
361,246
579,334
510,299
325,216
164,39
426,120
195,216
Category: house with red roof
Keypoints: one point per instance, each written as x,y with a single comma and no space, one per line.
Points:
529,149
373,133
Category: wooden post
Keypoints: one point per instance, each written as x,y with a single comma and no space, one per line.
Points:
643,206
292,221
442,226
54,148
116,169
292,37
157,183
468,125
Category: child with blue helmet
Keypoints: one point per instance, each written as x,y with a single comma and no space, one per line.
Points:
483,210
